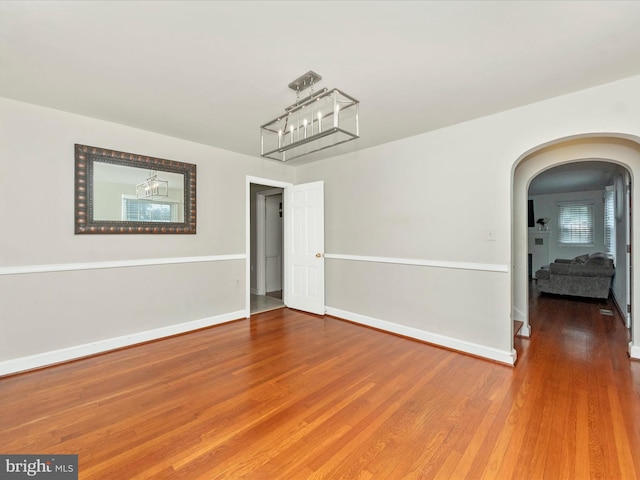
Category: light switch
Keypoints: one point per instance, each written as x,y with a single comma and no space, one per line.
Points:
491,234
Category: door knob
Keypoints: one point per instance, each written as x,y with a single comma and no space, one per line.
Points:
318,255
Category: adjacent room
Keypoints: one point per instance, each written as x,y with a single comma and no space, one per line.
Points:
314,239
579,240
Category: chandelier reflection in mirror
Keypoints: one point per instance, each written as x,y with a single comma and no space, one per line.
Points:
152,188
323,119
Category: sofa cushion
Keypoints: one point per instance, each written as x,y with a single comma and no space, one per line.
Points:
580,259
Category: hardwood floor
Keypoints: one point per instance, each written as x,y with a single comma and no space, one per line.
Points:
288,395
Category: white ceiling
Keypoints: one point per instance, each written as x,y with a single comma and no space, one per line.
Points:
213,72
576,177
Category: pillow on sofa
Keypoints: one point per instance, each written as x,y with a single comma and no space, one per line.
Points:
580,259
599,259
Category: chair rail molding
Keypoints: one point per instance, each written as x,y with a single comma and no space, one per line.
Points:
65,267
486,267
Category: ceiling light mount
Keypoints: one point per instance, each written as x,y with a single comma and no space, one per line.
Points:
323,119
304,81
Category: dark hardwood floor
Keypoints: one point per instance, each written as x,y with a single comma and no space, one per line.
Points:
288,395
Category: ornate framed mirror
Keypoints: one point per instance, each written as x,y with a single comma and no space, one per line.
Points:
120,193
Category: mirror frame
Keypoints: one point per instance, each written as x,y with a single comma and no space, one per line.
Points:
85,157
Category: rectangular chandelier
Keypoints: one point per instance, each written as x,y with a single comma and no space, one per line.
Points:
152,188
321,120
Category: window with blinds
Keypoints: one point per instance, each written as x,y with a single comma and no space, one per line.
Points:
610,221
139,210
575,223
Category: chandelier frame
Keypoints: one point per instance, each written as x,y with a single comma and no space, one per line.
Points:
321,120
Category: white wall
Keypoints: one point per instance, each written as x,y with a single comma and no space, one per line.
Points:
78,306
430,200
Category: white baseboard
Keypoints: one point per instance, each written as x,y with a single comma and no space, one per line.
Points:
31,362
496,355
525,331
634,351
626,317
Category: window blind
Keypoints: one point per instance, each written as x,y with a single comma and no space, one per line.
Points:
140,210
575,223
610,221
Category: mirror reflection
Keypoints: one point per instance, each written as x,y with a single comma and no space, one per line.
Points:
137,195
117,192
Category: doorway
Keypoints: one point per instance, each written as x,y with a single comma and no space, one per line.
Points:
302,248
267,248
614,153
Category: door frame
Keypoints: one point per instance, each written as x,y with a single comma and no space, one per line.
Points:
261,227
628,191
269,183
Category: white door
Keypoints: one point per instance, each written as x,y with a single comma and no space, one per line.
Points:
273,243
305,248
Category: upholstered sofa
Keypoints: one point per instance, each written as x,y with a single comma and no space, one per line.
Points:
583,276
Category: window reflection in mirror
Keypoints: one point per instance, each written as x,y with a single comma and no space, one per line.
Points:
115,195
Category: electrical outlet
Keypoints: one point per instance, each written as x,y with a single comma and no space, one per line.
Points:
237,282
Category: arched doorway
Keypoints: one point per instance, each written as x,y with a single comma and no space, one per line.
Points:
618,150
